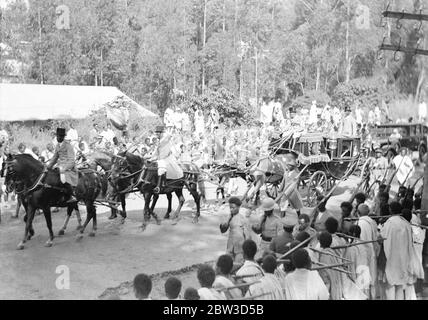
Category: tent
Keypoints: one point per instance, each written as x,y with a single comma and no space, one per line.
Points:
28,102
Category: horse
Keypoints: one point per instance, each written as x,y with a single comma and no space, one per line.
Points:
104,160
40,189
132,173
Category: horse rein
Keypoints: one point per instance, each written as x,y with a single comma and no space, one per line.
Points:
18,182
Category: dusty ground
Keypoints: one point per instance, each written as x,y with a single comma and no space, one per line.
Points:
106,264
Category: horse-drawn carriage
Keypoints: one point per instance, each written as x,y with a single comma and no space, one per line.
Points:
324,160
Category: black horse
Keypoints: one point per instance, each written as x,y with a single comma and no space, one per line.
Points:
104,160
131,173
43,190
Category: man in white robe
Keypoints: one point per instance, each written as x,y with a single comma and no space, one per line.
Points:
404,164
206,278
302,283
223,279
269,286
250,270
402,267
369,232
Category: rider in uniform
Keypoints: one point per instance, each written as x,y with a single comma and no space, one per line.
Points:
165,159
64,159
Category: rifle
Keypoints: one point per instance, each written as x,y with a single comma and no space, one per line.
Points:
333,266
389,182
407,177
329,254
415,183
330,193
238,286
297,247
356,244
291,186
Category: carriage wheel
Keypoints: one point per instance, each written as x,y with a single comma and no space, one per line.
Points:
318,183
366,176
272,190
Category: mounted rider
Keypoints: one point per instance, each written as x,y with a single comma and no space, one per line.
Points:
64,160
167,163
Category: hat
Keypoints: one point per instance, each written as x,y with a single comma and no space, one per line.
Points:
268,204
160,129
60,132
378,150
403,148
289,221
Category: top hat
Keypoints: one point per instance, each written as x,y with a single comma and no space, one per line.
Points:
60,132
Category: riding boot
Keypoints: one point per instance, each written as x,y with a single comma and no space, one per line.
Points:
161,183
70,193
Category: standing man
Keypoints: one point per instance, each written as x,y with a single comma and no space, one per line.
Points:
349,125
369,232
402,266
270,225
404,164
72,136
380,166
236,227
64,160
280,244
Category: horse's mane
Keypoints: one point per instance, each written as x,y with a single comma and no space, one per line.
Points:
30,159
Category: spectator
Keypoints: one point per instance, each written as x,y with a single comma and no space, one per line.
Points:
250,271
223,279
142,287
173,288
206,278
269,287
191,294
302,283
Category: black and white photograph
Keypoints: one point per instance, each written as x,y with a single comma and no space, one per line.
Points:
220,150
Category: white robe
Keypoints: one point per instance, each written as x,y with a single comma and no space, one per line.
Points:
269,286
223,282
303,284
210,294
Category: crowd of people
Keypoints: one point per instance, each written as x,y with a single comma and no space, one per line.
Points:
372,251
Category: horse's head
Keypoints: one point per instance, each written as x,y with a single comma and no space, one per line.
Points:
8,171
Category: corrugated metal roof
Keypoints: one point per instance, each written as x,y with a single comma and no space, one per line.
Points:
26,102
